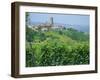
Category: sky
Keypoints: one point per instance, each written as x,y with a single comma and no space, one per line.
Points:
72,19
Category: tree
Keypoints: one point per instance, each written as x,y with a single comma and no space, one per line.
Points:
27,19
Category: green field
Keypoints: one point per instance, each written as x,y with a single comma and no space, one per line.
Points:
56,47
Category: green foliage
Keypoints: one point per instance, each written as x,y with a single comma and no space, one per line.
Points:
56,47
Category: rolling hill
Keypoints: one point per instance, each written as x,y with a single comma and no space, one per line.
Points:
56,47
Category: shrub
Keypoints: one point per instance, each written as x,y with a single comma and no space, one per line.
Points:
55,53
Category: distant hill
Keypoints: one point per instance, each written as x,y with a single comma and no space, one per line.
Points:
72,33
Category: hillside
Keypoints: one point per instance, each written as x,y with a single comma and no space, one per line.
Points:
56,47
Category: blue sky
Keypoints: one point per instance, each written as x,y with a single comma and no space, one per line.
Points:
60,18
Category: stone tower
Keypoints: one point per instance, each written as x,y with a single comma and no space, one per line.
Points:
51,21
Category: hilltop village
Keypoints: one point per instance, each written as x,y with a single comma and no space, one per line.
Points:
46,26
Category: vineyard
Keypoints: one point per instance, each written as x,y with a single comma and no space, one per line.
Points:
56,47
